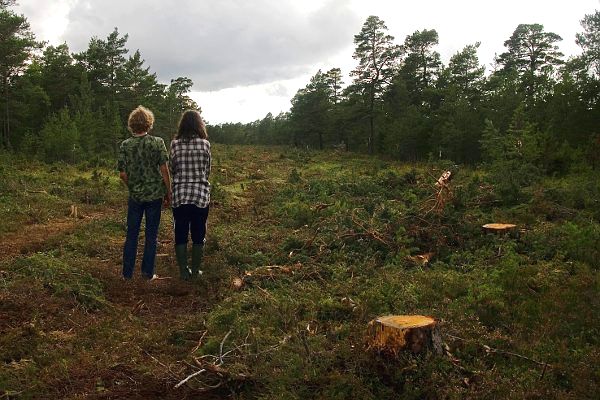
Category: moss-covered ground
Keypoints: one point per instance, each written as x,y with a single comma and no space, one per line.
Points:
323,243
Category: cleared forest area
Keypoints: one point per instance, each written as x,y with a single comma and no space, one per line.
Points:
304,248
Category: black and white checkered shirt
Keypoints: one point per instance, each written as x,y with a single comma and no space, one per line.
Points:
190,168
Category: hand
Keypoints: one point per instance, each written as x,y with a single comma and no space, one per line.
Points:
167,200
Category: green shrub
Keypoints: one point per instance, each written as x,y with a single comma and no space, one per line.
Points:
574,240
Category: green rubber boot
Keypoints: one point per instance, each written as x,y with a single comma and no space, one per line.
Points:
197,254
181,256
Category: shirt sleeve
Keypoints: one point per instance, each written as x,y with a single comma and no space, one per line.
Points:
163,156
121,159
209,162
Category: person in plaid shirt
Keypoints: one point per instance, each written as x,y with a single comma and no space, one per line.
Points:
190,168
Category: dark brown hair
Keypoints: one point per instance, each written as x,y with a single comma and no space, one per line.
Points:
191,125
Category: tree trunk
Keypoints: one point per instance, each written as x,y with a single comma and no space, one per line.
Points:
6,120
371,121
394,333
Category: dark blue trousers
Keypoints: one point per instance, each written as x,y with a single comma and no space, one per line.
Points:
190,218
135,212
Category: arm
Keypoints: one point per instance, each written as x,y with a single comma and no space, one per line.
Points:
164,171
163,162
124,177
121,165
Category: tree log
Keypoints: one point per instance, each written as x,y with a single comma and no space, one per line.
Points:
393,333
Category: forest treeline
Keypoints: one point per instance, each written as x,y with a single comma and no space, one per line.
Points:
405,103
57,105
402,101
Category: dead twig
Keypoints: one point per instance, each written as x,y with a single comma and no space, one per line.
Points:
189,377
311,240
215,367
199,343
221,347
158,362
489,350
322,206
269,295
366,231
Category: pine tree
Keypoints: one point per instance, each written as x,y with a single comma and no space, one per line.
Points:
377,57
17,44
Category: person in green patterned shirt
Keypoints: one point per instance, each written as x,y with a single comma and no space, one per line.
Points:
143,166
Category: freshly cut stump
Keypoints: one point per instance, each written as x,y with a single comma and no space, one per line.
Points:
393,333
499,228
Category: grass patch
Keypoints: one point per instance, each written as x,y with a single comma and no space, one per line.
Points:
60,279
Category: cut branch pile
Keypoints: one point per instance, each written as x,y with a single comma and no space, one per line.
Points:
441,196
210,373
421,260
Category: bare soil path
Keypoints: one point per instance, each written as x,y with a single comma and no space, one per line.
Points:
32,238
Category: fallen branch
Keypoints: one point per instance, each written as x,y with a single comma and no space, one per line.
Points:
158,362
489,349
268,271
322,206
221,347
190,377
225,373
199,342
366,231
215,367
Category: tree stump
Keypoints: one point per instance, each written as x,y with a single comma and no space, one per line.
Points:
394,333
503,230
498,228
237,283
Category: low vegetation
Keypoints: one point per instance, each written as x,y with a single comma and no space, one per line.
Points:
319,243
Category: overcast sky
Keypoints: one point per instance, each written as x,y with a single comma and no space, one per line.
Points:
249,57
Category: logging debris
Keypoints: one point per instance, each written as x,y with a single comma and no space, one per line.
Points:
268,271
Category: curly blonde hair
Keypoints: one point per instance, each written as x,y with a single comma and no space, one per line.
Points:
140,120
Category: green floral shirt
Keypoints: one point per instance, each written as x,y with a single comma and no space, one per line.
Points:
140,157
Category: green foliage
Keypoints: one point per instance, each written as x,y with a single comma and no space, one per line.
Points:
60,138
16,49
513,158
572,241
61,279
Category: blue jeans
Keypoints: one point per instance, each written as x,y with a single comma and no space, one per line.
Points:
135,212
190,218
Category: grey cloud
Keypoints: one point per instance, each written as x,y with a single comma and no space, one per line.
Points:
219,44
277,89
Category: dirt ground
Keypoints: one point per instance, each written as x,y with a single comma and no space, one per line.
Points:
120,351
